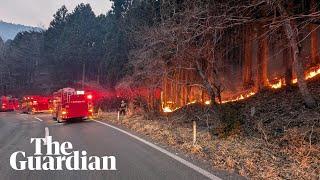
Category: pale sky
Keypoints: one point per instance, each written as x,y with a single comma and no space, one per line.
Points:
40,12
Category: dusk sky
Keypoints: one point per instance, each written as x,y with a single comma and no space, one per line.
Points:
40,12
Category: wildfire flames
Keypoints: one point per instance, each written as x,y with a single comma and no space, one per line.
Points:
313,73
240,97
275,84
207,102
279,83
167,109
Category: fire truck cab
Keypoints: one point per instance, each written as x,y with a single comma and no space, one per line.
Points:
8,103
35,104
69,104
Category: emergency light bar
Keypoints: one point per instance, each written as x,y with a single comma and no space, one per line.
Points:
80,92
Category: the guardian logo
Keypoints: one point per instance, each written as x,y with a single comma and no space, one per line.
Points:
51,155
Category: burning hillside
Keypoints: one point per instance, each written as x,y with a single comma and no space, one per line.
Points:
271,135
276,83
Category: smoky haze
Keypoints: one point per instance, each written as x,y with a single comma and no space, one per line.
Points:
40,12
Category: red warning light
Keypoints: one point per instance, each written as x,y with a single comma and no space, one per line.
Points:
89,96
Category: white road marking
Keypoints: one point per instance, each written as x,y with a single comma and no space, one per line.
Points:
57,124
179,159
46,134
38,119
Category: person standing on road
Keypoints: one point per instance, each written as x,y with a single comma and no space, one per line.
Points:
123,108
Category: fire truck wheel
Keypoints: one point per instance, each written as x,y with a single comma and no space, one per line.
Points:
59,120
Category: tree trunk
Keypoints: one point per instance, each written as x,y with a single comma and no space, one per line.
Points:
247,65
263,57
164,90
314,37
287,64
177,87
314,45
290,30
182,88
206,83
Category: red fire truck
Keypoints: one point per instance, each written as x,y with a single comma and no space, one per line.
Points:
35,104
8,103
71,104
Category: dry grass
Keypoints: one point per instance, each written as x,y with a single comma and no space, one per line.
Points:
250,157
284,144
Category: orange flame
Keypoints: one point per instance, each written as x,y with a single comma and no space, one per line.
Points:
240,97
308,75
277,83
167,109
192,102
312,73
294,81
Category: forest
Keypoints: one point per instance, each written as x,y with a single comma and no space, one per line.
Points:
192,51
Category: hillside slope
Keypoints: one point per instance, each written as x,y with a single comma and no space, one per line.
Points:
271,135
9,30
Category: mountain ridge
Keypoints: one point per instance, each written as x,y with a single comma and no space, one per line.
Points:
10,30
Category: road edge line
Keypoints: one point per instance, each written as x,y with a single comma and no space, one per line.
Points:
177,158
38,119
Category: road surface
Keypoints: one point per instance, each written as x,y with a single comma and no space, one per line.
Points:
135,160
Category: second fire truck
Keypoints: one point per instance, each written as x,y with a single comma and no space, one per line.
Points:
67,103
8,103
35,104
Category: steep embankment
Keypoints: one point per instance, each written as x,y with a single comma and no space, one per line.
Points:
271,135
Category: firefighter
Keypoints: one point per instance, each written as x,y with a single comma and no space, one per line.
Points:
123,108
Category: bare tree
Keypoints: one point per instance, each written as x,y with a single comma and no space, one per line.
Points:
195,36
291,31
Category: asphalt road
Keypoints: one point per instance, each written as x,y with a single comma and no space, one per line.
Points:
135,160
